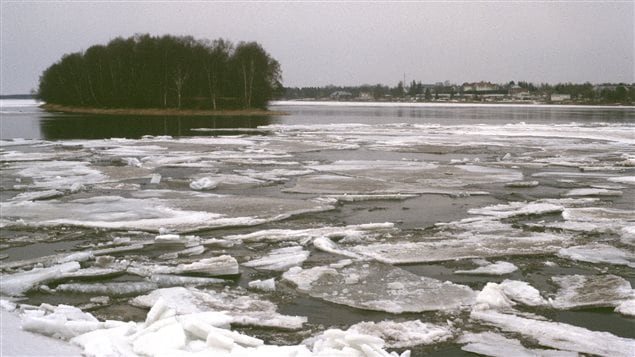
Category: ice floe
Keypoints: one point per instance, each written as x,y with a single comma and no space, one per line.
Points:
599,253
404,334
559,335
381,287
151,213
497,268
512,209
19,283
352,233
584,291
168,332
507,294
280,259
241,307
592,192
496,345
471,246
264,285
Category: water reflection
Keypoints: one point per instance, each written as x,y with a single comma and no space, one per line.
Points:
55,127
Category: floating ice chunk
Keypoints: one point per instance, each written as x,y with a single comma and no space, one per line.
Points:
264,285
222,265
599,253
61,174
111,289
61,321
93,272
166,280
521,184
335,342
627,307
19,342
242,308
280,259
560,335
19,283
373,291
370,197
580,291
518,209
495,345
348,233
629,180
7,305
132,161
275,175
492,297
204,183
174,239
210,183
522,292
498,268
77,257
592,192
404,334
506,294
38,195
168,337
76,187
472,246
597,214
155,179
327,245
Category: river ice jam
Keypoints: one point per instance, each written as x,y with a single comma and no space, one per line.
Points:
334,231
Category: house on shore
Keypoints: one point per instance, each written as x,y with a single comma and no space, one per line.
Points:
341,95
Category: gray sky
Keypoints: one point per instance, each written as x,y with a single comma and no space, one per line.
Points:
347,43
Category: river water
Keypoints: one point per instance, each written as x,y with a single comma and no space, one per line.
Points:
485,224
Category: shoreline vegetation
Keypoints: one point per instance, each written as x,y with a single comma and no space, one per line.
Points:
159,111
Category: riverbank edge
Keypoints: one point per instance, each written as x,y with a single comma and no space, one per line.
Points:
158,111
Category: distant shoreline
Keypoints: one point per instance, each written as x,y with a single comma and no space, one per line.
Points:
440,104
159,111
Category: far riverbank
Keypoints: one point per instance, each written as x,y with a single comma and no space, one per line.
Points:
159,111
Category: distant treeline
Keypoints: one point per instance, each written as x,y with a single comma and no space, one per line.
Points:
164,72
587,93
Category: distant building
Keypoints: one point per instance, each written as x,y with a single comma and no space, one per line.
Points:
340,95
365,96
555,97
480,87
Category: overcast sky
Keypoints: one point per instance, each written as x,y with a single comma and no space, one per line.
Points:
347,43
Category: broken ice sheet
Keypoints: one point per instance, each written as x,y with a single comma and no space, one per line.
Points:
404,334
351,233
244,308
397,177
471,246
193,212
559,335
495,345
581,291
380,287
497,268
280,259
599,253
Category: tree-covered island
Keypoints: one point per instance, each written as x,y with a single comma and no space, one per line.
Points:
149,74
